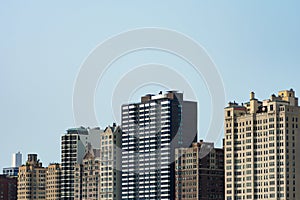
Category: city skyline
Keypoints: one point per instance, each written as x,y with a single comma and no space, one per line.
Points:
98,129
42,53
259,154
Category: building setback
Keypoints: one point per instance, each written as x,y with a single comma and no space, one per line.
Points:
8,188
199,172
151,130
38,182
261,150
31,179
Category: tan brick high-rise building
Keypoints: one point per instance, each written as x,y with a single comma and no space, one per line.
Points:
110,157
262,155
99,175
53,180
199,172
31,179
87,176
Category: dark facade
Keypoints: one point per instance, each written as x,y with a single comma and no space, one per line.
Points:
73,145
8,188
152,129
211,176
72,151
199,172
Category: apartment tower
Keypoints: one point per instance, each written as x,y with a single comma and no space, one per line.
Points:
99,175
261,150
199,172
31,179
87,176
16,159
73,146
53,181
151,130
110,157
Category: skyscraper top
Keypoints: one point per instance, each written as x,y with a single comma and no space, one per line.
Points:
168,95
17,159
285,97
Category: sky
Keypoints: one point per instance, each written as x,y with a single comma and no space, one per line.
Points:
255,46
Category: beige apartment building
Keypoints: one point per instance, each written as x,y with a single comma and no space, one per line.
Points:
262,155
99,175
31,179
110,157
53,175
38,182
87,176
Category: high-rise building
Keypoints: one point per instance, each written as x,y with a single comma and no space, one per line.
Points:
151,130
110,163
16,159
32,179
53,179
89,182
87,176
73,145
8,188
261,151
199,172
16,163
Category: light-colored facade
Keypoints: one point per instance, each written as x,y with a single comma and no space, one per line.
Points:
16,160
87,176
11,171
16,163
199,172
53,179
262,155
110,163
31,180
99,175
151,130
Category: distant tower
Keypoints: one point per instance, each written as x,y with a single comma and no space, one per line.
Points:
16,159
16,163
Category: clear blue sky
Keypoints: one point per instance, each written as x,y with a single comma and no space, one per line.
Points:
255,45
